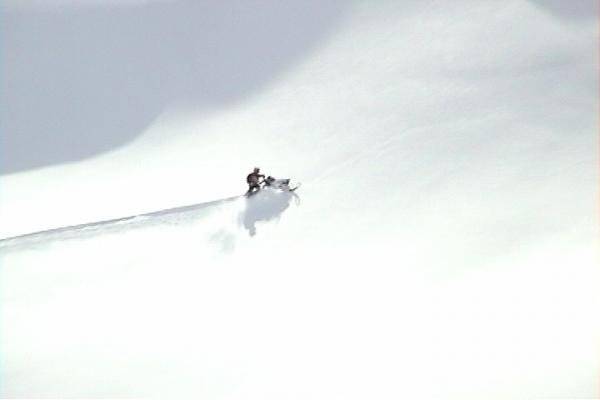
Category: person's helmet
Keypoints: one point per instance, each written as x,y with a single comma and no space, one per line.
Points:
256,169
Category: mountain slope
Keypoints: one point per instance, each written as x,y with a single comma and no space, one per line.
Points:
443,244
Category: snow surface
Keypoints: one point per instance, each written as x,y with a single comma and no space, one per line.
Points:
443,243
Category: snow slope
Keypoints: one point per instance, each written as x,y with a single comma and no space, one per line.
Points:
443,244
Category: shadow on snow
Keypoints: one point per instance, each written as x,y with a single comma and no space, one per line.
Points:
264,206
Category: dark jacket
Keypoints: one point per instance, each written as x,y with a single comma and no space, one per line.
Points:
253,177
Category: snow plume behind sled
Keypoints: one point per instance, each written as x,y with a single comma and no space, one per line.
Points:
232,215
266,205
221,221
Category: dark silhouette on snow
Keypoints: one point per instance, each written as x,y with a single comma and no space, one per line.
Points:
254,180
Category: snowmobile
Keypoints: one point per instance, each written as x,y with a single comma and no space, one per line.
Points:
282,184
256,181
272,183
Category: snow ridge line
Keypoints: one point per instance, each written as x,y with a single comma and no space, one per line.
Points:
175,210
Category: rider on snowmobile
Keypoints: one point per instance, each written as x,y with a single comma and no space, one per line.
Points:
253,180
